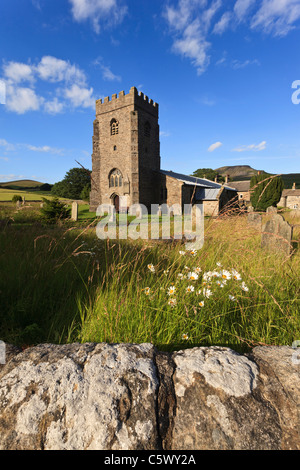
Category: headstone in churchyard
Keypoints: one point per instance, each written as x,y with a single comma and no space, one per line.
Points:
74,215
277,235
250,209
271,210
255,220
23,202
18,204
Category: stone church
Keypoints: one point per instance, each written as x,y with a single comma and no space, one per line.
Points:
126,164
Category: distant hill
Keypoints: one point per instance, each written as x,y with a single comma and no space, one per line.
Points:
21,184
238,172
245,172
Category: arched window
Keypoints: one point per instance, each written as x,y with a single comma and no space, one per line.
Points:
147,129
114,127
115,178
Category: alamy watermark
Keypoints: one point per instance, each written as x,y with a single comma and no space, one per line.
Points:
2,92
296,94
185,223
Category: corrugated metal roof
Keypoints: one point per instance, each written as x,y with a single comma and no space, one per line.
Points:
192,180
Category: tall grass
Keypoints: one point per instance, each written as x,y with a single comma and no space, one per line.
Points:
62,284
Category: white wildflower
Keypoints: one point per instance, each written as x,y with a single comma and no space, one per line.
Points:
236,275
151,268
244,287
207,293
172,302
190,289
231,297
171,290
185,336
192,276
226,274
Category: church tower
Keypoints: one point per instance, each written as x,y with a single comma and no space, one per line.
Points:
126,152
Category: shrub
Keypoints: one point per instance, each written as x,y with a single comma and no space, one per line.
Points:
54,210
16,198
265,191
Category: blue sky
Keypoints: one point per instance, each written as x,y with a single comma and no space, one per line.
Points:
221,71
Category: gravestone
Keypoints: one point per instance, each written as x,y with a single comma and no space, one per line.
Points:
74,215
271,210
18,204
250,209
255,220
277,235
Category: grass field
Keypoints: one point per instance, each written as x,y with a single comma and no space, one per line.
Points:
62,284
7,194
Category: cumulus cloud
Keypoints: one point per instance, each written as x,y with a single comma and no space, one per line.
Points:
20,80
21,100
79,96
17,72
57,70
215,146
99,12
252,147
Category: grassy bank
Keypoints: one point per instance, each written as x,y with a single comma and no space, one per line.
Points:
62,284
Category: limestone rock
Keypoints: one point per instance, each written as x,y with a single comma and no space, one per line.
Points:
132,397
80,397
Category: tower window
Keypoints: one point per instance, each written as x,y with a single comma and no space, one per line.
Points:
114,127
115,178
147,129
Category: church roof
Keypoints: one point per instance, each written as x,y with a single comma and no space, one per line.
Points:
210,189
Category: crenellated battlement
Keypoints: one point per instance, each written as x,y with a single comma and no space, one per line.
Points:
132,98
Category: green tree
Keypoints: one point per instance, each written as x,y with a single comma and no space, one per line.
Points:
72,184
265,191
85,193
209,174
54,210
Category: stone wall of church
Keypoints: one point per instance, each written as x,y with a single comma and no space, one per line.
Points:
128,150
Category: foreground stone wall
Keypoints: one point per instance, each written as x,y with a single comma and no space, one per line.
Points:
133,397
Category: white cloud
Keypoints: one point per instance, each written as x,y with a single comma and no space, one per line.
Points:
189,24
5,159
277,17
223,23
80,97
57,70
42,149
192,23
11,177
99,12
107,74
21,100
242,7
17,72
7,146
54,106
253,147
237,64
215,146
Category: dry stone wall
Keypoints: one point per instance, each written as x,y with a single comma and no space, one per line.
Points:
133,397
